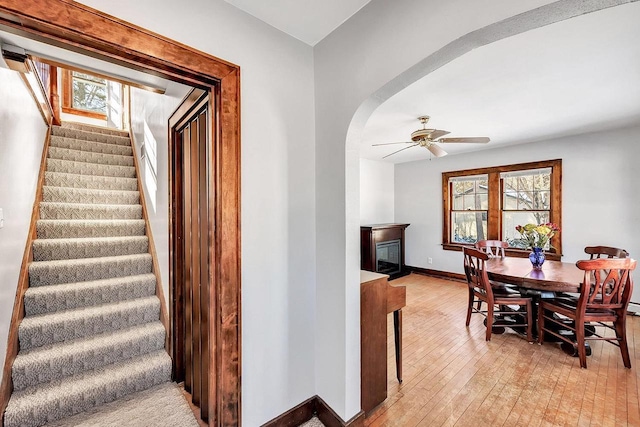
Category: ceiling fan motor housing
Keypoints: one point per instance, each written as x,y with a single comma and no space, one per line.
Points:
421,134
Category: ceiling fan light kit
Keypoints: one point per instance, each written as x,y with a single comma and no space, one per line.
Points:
427,138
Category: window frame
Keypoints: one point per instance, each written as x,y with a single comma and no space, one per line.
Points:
67,97
495,213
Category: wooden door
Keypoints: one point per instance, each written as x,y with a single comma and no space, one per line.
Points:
191,342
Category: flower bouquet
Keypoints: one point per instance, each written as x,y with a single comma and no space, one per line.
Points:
537,237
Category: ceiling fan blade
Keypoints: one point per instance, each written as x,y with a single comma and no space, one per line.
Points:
479,139
436,151
437,133
391,143
402,149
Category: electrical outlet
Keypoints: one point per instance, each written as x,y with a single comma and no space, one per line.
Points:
430,260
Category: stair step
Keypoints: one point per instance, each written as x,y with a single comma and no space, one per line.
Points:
72,180
162,405
62,398
84,195
95,129
90,157
75,228
84,168
46,329
91,136
45,273
56,361
54,210
70,296
89,146
53,249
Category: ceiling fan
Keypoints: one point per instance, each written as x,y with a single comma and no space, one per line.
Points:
427,138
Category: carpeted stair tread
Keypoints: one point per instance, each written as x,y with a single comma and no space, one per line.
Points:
163,405
91,332
96,182
62,398
56,361
55,210
70,296
74,228
52,249
46,329
89,146
91,136
89,157
95,129
84,168
84,195
45,273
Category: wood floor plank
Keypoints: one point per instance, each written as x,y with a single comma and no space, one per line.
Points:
452,376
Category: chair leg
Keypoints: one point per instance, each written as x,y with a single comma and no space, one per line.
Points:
470,307
540,324
582,351
621,334
529,322
489,321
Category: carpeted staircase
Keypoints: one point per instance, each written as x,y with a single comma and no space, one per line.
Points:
91,332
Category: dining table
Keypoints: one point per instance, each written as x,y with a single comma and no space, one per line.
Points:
554,277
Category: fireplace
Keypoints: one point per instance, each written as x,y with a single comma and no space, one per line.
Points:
388,257
382,249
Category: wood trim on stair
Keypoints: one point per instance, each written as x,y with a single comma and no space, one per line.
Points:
330,419
77,27
164,315
17,315
315,405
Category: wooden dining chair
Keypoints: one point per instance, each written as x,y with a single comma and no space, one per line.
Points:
604,296
493,248
596,252
481,290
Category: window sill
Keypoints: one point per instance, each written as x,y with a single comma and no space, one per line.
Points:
517,253
84,113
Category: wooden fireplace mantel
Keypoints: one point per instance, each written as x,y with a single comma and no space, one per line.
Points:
370,235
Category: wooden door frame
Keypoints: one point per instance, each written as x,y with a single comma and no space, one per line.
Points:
79,28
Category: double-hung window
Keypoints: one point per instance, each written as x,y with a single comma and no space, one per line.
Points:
84,94
488,203
526,198
470,208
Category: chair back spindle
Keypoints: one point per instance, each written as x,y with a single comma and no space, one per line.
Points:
493,248
474,269
607,283
597,252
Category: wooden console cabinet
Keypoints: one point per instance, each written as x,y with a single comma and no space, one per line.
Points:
372,237
377,299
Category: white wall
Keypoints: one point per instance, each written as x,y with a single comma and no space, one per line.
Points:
22,135
278,198
376,192
150,113
600,195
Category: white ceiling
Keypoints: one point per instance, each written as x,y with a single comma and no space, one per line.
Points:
306,20
576,76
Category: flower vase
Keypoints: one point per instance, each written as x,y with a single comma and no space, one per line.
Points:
537,258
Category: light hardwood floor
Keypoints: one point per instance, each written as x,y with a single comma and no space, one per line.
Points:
453,377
